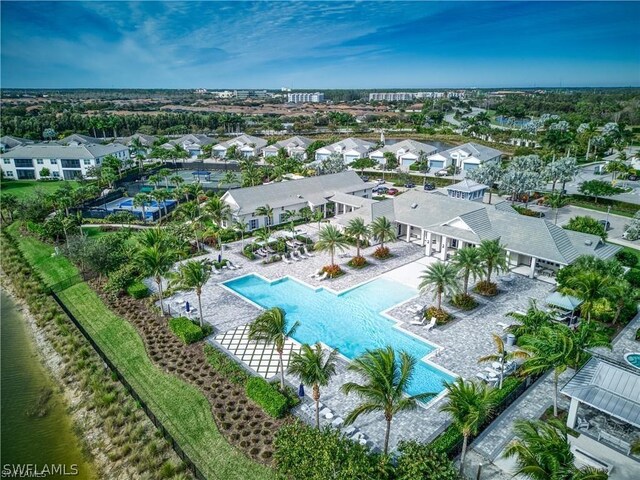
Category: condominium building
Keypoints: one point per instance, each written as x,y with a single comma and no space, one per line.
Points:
302,97
244,94
392,96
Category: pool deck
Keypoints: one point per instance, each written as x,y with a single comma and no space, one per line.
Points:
463,340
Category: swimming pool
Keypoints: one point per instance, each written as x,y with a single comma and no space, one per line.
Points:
633,359
153,204
350,321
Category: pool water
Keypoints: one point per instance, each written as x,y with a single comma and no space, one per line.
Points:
153,204
633,359
350,322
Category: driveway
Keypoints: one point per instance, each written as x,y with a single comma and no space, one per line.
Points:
616,222
587,174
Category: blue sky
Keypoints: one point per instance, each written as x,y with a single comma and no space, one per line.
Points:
366,44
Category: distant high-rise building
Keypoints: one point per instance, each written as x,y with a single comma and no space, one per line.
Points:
244,94
392,96
300,97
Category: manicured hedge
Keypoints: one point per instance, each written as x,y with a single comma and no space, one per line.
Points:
226,365
138,290
265,395
186,330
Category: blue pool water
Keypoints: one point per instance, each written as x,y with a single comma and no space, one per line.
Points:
350,322
153,204
633,359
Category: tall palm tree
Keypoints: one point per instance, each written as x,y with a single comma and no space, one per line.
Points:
161,196
467,261
139,150
551,347
542,452
192,275
155,179
191,212
502,356
311,366
621,293
317,216
386,378
291,216
493,257
592,288
241,226
176,180
156,262
267,212
141,200
556,201
305,213
358,230
271,327
382,230
331,239
165,173
588,335
442,277
470,404
218,210
153,237
531,321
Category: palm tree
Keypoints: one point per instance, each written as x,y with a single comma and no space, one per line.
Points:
177,180
266,211
442,277
592,288
531,321
502,356
165,173
241,226
218,210
317,216
311,366
386,378
161,196
153,237
552,347
139,150
470,404
556,201
467,261
191,212
192,275
156,262
492,256
358,230
305,213
588,335
263,235
382,230
331,239
271,327
155,179
141,200
542,452
621,293
290,216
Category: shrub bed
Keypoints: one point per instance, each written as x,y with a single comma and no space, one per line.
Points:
464,301
266,395
418,461
486,289
382,253
527,212
357,262
442,317
627,258
138,290
333,271
188,331
226,365
271,259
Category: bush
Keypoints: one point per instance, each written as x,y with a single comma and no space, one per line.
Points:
271,259
486,289
186,330
226,365
633,277
138,290
357,262
464,301
304,452
447,440
121,279
382,253
442,317
586,224
626,258
333,270
527,212
266,395
420,462
638,335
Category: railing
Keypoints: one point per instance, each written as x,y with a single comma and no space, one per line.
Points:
158,424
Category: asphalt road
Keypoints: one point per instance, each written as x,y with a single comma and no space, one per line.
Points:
587,174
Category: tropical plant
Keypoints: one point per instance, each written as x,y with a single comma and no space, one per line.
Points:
271,327
240,226
531,321
621,293
467,261
192,275
556,201
156,262
218,210
263,235
502,356
382,230
587,224
267,212
311,366
470,404
598,188
493,257
593,289
141,200
542,452
386,379
358,230
290,216
331,239
442,278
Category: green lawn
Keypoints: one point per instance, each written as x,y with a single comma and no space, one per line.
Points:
23,188
183,410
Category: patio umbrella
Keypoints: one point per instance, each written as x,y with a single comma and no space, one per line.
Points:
565,302
186,307
219,257
301,391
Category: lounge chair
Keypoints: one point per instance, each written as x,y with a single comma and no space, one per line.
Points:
323,276
485,377
293,257
337,422
215,270
285,259
432,324
317,273
415,308
307,252
233,265
504,326
416,320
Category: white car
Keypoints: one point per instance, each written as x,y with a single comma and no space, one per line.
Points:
442,173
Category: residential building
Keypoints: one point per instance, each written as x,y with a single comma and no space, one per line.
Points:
431,94
63,161
294,146
147,141
246,146
223,94
351,149
192,143
465,157
8,142
407,152
302,97
78,139
244,94
343,190
392,96
467,190
442,224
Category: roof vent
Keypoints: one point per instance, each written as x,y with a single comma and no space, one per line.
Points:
588,242
414,205
299,196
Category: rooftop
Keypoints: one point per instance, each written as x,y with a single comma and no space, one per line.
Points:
63,152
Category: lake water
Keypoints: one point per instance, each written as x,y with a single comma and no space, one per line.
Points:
28,439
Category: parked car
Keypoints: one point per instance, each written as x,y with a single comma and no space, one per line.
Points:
632,177
392,191
364,178
380,181
382,190
606,224
409,185
442,173
429,186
